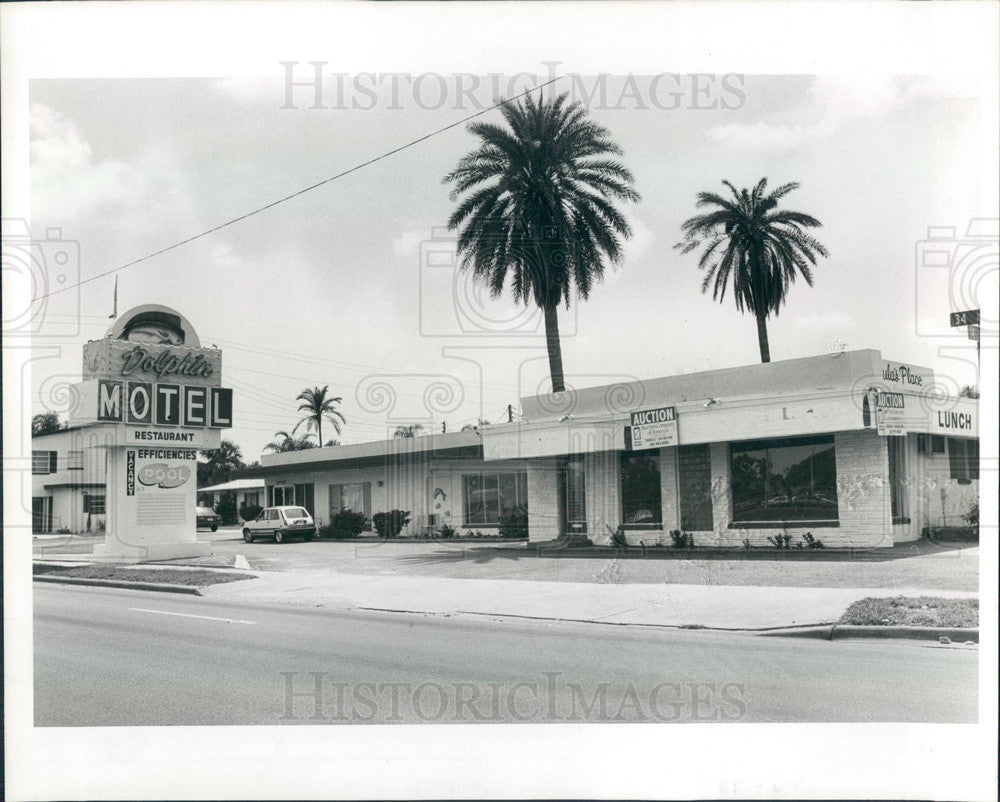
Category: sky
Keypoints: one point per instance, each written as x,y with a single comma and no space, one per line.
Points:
349,285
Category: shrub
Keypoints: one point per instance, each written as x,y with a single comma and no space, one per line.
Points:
618,539
746,543
226,508
390,524
781,541
64,530
681,539
344,525
972,516
446,532
812,542
514,523
249,512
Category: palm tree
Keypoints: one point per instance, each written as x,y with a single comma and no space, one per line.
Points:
410,430
539,207
317,406
284,442
760,247
220,463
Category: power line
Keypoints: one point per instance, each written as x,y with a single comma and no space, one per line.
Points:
274,203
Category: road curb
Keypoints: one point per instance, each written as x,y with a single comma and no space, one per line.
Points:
845,631
118,583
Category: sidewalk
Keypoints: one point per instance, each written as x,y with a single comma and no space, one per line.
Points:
743,607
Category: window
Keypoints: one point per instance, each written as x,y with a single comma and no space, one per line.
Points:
295,512
355,497
487,496
93,504
74,461
43,462
937,444
251,499
640,478
282,495
963,459
792,479
897,479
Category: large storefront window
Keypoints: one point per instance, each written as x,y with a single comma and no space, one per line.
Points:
356,497
487,496
640,478
963,459
793,479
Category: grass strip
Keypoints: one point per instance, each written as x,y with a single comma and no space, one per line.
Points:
918,611
171,576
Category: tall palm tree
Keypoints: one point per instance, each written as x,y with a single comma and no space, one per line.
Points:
317,406
760,247
539,207
285,442
220,463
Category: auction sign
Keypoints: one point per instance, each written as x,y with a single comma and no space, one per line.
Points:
654,428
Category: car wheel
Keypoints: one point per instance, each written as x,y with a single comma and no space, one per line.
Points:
215,527
247,536
279,536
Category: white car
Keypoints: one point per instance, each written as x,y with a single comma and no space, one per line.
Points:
280,523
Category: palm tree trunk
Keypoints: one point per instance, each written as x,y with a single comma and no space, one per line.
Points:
319,430
765,349
554,349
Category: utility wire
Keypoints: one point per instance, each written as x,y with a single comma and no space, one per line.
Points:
295,194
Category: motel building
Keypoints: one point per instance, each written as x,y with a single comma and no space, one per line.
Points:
854,449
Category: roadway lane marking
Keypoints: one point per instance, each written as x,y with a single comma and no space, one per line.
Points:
191,615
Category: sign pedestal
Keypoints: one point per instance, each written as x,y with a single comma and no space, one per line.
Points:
151,497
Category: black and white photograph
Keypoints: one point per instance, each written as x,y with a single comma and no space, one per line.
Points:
432,400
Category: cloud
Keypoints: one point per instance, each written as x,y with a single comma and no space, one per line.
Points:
66,180
834,102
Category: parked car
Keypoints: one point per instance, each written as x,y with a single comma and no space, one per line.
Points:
280,523
207,518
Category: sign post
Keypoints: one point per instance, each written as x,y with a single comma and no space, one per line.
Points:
153,398
970,318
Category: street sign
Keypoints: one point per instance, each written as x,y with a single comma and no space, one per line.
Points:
654,428
974,332
970,317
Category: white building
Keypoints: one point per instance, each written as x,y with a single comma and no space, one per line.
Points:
67,482
849,448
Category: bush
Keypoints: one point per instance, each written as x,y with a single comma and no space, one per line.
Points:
249,512
446,532
344,525
390,524
972,516
812,542
681,540
514,523
618,539
781,541
226,508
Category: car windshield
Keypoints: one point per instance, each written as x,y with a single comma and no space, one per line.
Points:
295,512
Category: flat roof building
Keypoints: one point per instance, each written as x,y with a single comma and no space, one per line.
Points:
849,448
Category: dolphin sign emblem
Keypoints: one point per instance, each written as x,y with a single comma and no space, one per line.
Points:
159,474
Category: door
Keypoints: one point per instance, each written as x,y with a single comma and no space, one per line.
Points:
41,514
695,484
572,497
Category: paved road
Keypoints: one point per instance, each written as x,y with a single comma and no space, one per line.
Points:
119,657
